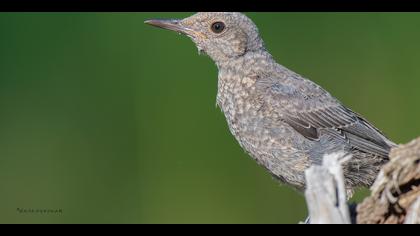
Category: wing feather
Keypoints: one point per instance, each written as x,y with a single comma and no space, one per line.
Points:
311,111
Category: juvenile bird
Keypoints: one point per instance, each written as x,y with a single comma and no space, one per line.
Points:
281,119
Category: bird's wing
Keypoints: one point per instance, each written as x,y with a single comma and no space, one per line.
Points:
312,111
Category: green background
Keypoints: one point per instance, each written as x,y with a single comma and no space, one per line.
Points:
114,121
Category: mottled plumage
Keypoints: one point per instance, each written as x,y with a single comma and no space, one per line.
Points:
283,120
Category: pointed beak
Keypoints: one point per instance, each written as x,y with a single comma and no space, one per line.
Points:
170,24
173,25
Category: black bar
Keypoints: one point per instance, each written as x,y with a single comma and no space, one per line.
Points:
199,5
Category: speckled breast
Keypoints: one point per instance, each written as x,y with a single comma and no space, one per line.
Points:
261,135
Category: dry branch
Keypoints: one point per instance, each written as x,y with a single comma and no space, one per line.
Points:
328,179
395,196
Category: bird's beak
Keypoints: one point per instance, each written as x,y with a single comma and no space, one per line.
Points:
173,25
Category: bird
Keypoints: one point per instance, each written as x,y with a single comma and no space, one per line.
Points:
284,121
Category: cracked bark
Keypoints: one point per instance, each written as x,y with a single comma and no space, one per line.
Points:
394,199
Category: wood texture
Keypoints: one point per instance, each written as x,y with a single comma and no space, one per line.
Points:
395,196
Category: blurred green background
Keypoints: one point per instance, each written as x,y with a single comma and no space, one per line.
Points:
114,121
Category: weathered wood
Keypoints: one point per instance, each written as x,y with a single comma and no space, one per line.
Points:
413,215
395,190
395,194
325,193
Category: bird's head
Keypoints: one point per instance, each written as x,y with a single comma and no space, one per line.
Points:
221,35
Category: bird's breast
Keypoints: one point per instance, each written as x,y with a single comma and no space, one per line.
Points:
236,97
241,106
258,130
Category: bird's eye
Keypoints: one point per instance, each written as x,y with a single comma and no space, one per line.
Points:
218,27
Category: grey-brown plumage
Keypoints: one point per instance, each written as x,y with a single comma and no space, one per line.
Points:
284,121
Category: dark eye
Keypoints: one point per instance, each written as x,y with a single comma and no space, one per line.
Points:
218,27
